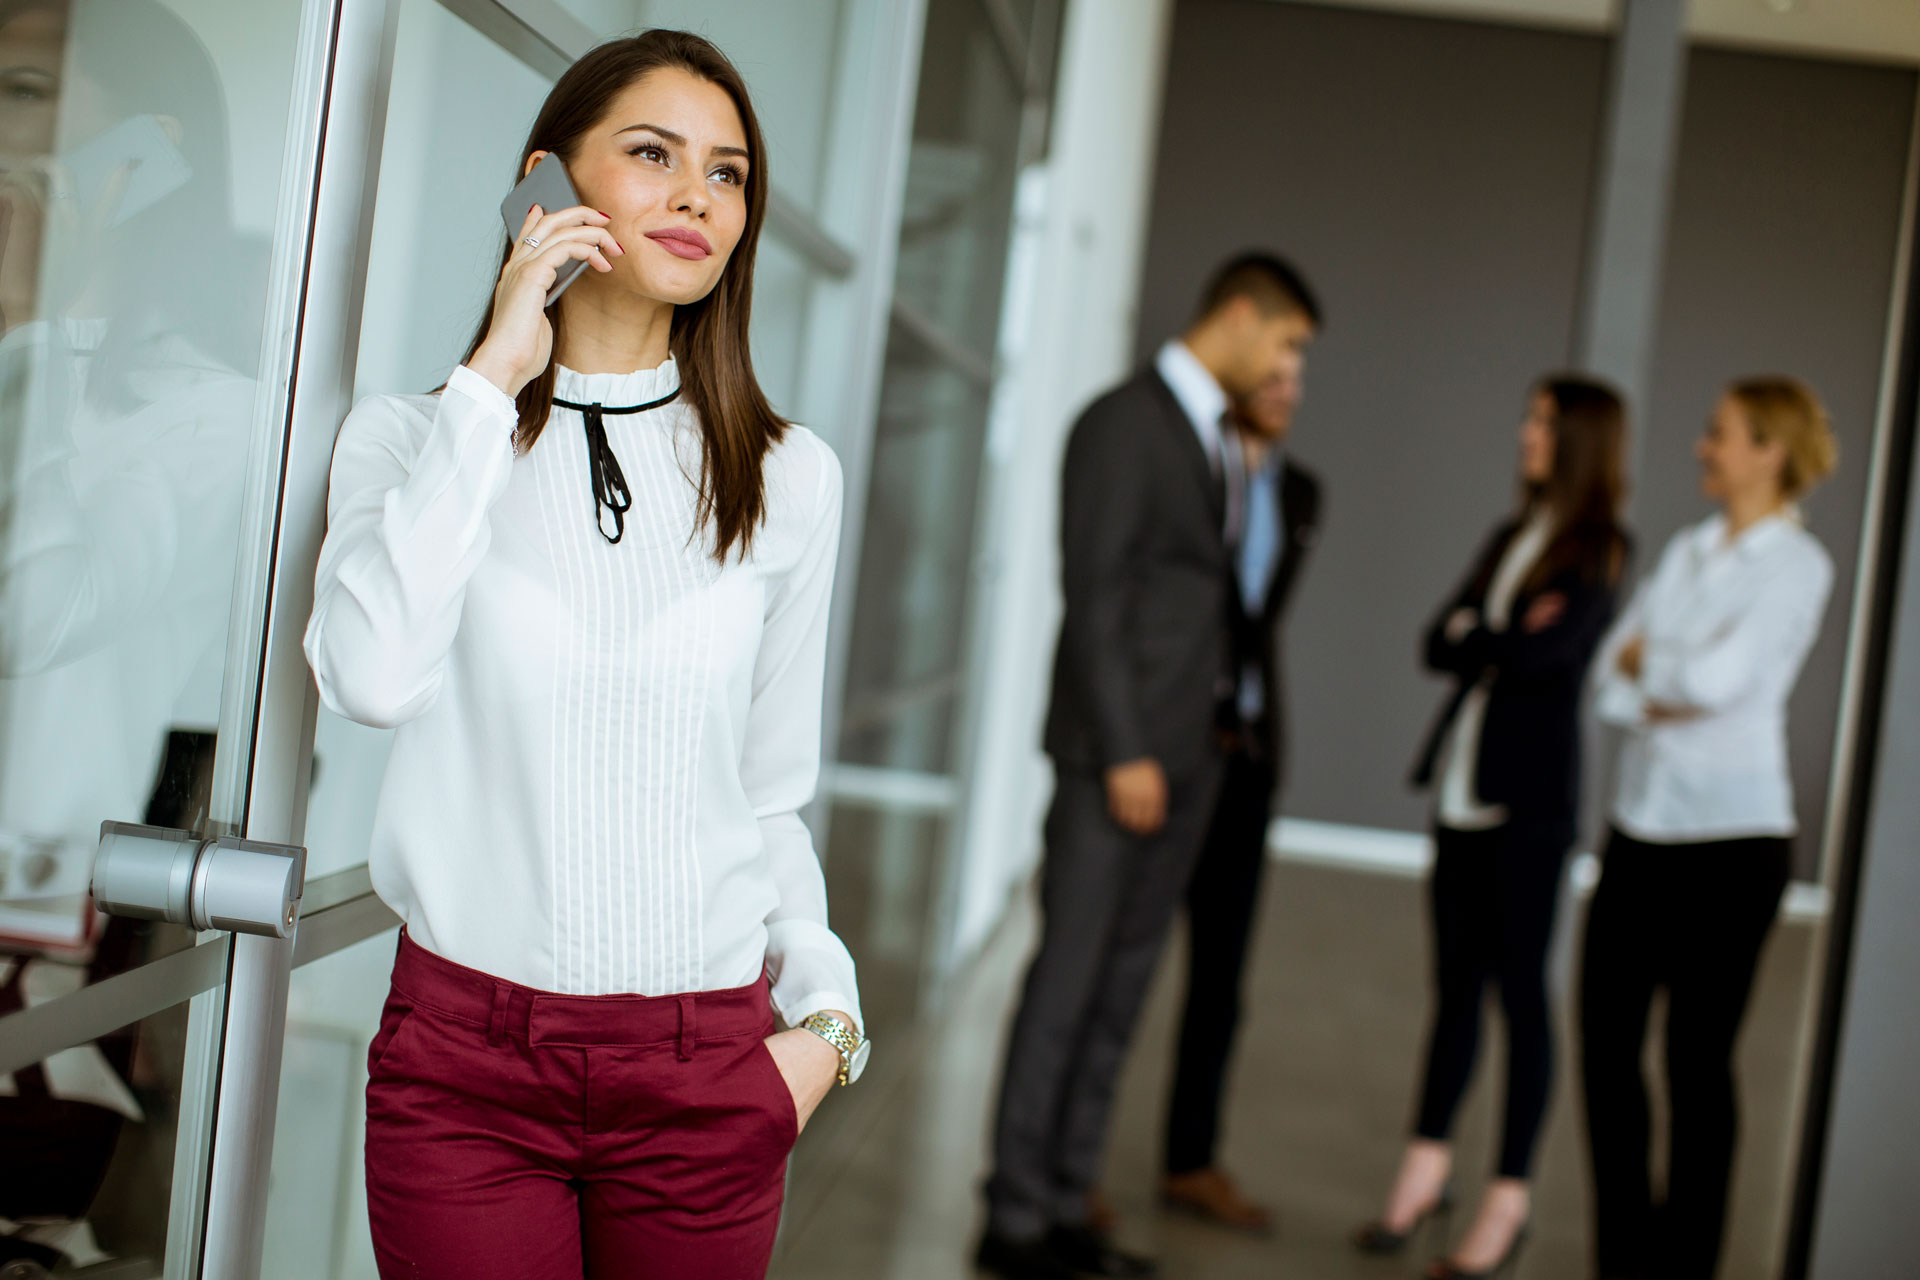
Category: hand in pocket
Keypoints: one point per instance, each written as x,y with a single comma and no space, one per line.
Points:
808,1064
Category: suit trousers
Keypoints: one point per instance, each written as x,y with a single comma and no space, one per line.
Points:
1691,918
514,1134
1222,899
1107,902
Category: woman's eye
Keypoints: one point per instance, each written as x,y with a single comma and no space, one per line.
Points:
727,173
650,152
24,88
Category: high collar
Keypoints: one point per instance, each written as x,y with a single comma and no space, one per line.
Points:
1197,390
616,390
1754,539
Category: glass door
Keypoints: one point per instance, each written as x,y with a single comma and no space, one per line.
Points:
165,269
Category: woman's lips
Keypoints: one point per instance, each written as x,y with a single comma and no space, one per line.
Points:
681,243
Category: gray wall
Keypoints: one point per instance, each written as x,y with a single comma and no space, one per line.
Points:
1433,179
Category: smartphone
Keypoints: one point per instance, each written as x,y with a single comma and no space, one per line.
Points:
549,187
140,145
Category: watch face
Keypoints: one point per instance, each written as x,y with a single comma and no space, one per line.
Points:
859,1062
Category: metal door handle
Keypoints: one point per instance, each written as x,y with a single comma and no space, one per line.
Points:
157,873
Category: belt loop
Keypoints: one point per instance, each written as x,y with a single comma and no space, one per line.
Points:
687,1028
497,1027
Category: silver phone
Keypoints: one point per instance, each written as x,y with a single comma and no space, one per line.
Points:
549,187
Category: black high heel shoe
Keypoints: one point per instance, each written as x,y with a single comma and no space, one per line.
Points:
1377,1238
1443,1268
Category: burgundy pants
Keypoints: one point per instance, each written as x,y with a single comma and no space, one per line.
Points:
514,1134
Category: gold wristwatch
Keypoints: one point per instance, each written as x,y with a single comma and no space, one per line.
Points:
853,1047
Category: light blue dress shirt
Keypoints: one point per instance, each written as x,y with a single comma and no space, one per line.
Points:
1260,548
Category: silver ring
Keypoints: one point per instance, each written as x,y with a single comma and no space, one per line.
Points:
531,243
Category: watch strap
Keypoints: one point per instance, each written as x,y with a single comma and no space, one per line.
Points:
840,1036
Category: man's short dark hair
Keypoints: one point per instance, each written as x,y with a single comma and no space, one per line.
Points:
1269,281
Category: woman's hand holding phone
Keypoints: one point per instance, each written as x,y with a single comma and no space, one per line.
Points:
519,340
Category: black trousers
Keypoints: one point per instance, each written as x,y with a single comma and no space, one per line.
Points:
1494,895
1222,898
1690,918
1107,899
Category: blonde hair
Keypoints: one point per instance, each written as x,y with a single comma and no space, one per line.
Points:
1787,410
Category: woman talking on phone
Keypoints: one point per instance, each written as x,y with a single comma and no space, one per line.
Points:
587,581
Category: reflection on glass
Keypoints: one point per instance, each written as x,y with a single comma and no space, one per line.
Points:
130,320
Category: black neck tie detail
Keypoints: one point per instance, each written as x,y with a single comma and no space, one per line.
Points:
609,483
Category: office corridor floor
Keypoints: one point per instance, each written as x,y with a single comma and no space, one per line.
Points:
885,1185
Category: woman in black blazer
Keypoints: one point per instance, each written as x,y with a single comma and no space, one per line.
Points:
1504,760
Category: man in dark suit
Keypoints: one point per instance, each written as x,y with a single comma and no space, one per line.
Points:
1282,522
1147,679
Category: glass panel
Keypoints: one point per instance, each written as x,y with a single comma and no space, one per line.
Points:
317,1204
782,287
789,54
966,134
140,156
606,17
456,119
903,674
905,693
87,1137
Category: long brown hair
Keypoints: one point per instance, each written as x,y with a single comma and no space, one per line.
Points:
1588,484
708,337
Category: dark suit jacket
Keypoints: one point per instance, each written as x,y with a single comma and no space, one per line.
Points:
1147,641
1260,636
1530,743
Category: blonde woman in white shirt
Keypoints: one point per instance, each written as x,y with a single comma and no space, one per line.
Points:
588,583
1697,672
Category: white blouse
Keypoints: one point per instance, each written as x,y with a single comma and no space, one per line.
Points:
1727,625
1459,806
602,749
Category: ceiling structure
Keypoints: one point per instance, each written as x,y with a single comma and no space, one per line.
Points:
1877,30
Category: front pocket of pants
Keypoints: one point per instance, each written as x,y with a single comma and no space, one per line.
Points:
781,1103
393,1019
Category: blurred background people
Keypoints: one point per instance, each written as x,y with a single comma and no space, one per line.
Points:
1697,672
1146,679
1281,523
1504,758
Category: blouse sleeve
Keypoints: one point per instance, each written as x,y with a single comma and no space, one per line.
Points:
1770,638
1617,699
810,967
407,526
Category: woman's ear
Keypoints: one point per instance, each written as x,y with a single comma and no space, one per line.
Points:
532,160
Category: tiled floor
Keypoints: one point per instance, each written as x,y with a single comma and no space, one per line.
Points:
885,1186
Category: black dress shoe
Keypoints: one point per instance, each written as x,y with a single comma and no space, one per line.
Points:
1092,1253
1012,1259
